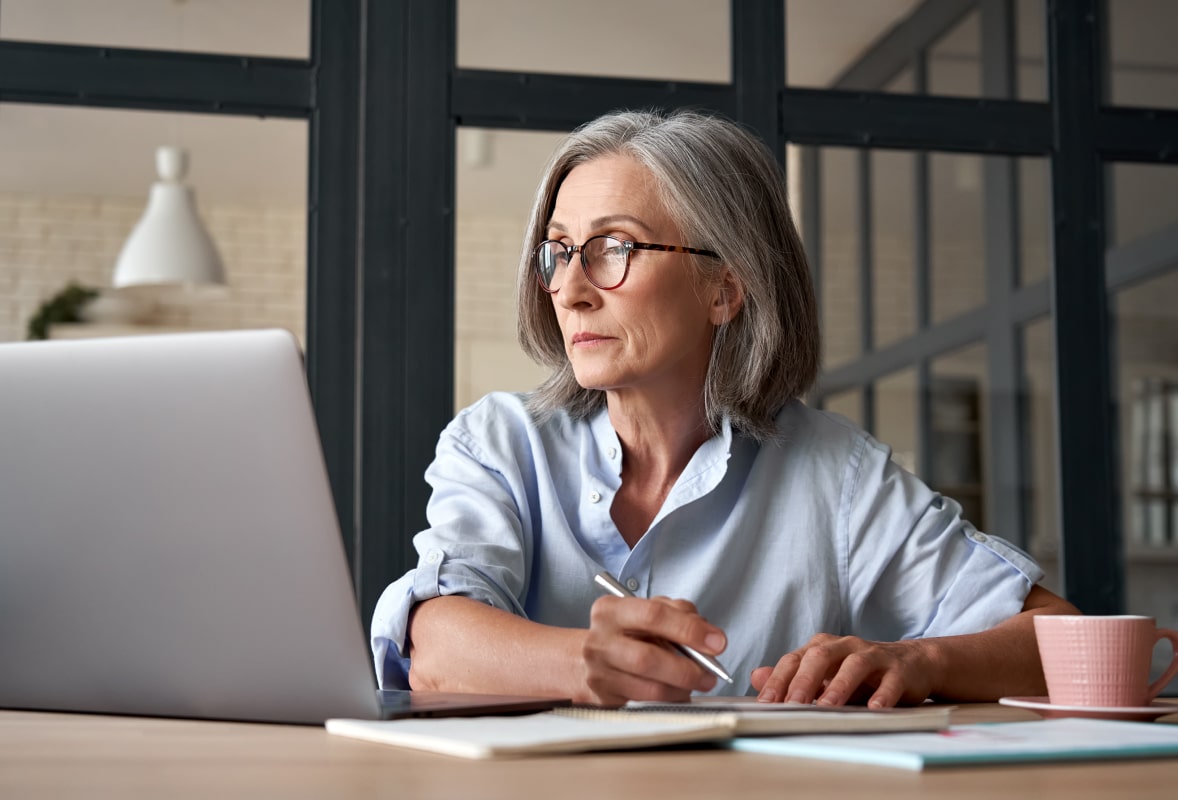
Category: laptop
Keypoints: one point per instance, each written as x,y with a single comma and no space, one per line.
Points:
168,541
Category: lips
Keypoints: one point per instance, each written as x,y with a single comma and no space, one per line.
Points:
585,337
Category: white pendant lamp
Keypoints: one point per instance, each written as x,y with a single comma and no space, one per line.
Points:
169,244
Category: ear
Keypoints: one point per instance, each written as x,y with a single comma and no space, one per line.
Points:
728,298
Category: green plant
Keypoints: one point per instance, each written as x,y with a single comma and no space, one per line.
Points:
62,307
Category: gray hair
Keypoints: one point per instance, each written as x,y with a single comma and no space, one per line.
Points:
726,192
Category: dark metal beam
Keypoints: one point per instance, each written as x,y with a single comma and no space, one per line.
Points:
758,67
1138,134
407,283
331,250
1088,506
860,119
130,78
489,99
897,48
866,280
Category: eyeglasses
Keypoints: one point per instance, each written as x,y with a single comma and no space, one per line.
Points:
604,259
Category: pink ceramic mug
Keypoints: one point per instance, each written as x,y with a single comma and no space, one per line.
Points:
1102,661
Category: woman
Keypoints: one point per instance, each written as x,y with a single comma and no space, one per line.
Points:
664,283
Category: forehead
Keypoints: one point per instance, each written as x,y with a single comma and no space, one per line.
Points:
609,185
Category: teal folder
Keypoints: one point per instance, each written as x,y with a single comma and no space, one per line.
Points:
986,743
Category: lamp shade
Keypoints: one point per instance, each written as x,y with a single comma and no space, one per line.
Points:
169,244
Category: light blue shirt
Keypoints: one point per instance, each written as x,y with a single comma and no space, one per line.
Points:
817,532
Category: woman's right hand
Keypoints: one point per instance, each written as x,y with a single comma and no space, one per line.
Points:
627,655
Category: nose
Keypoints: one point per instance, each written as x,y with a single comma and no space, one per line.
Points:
576,292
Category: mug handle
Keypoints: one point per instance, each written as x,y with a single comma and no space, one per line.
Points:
1156,687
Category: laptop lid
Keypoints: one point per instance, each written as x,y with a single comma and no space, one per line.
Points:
168,540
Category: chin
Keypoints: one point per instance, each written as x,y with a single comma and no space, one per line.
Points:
594,379
596,385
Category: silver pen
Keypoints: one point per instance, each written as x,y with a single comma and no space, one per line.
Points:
713,666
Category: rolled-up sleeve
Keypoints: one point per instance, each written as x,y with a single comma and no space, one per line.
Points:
476,545
915,567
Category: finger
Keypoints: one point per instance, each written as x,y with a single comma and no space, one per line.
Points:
621,638
759,677
617,688
854,670
777,679
889,692
612,658
662,620
819,662
685,606
660,662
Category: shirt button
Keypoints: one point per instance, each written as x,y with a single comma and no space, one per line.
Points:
594,497
612,452
978,537
632,585
433,556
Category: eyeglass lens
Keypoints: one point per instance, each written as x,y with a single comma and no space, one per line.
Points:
603,258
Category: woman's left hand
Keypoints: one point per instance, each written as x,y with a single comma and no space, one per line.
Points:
834,670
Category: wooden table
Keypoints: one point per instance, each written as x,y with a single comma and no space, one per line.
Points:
65,755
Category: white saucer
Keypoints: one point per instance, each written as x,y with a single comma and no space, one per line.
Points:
1044,707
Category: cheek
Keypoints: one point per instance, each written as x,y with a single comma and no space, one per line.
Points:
562,317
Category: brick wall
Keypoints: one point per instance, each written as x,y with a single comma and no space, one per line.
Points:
487,356
48,241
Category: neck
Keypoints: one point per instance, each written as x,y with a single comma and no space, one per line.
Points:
658,438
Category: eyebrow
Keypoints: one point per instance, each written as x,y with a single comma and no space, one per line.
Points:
602,222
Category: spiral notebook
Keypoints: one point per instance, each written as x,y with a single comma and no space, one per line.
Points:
577,730
767,719
562,730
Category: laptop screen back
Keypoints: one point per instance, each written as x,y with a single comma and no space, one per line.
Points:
168,540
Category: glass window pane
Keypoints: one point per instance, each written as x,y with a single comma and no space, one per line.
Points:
893,226
954,66
839,263
496,176
1030,45
848,403
685,40
1142,56
956,225
895,417
957,426
1142,200
825,38
828,40
76,180
903,83
957,248
795,156
1146,317
1034,205
274,28
1040,488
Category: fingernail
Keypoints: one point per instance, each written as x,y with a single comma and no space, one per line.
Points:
715,642
828,700
767,695
799,697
